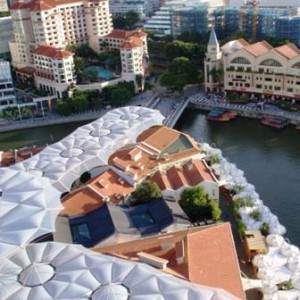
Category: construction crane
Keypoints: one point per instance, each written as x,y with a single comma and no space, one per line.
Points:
255,8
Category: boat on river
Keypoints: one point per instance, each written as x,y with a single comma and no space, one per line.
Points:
221,115
274,122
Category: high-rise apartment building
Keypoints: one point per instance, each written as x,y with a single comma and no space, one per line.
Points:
43,28
7,94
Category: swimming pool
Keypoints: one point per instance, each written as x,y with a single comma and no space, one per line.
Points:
101,72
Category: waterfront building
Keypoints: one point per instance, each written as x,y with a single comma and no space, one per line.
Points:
6,35
7,93
3,5
265,21
58,24
188,16
54,69
144,8
212,62
253,68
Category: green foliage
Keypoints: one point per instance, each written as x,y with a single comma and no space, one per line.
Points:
234,97
198,206
215,74
286,285
178,48
276,42
255,214
193,196
64,107
265,229
120,96
119,22
83,50
146,192
4,14
180,72
212,159
243,202
241,227
131,18
194,37
215,210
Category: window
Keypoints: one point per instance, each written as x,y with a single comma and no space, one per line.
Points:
296,65
271,63
240,60
80,233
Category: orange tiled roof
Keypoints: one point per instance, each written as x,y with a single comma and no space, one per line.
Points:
151,143
118,34
258,48
213,260
176,177
132,42
80,202
107,185
40,5
111,185
52,52
209,255
197,172
243,42
162,180
288,51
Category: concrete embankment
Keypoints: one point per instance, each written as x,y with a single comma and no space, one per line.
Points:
249,112
6,126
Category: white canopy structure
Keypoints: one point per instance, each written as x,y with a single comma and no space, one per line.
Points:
59,271
28,208
90,145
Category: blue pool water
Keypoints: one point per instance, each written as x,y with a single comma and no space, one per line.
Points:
102,73
141,219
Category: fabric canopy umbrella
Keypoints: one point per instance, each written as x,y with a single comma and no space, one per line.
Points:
274,240
261,260
296,281
269,287
60,271
90,145
28,207
289,250
294,263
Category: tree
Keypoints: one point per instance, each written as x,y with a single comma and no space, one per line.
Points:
120,96
119,22
198,206
64,107
146,192
131,18
192,197
215,74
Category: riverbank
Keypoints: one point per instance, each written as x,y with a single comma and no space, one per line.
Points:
249,110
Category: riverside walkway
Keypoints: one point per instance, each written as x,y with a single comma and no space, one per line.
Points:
171,107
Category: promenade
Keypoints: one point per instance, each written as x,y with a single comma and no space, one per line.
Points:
170,106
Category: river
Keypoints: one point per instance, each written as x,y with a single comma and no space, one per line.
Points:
270,158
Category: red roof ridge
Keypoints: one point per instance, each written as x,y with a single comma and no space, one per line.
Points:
283,51
52,52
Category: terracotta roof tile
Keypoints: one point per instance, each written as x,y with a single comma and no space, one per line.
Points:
288,51
197,172
258,48
132,42
177,178
118,34
52,52
215,264
210,256
80,202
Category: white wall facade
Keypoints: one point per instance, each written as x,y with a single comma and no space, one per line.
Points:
7,94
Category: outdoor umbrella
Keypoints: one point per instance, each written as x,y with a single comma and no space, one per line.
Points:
294,263
60,271
274,240
28,208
